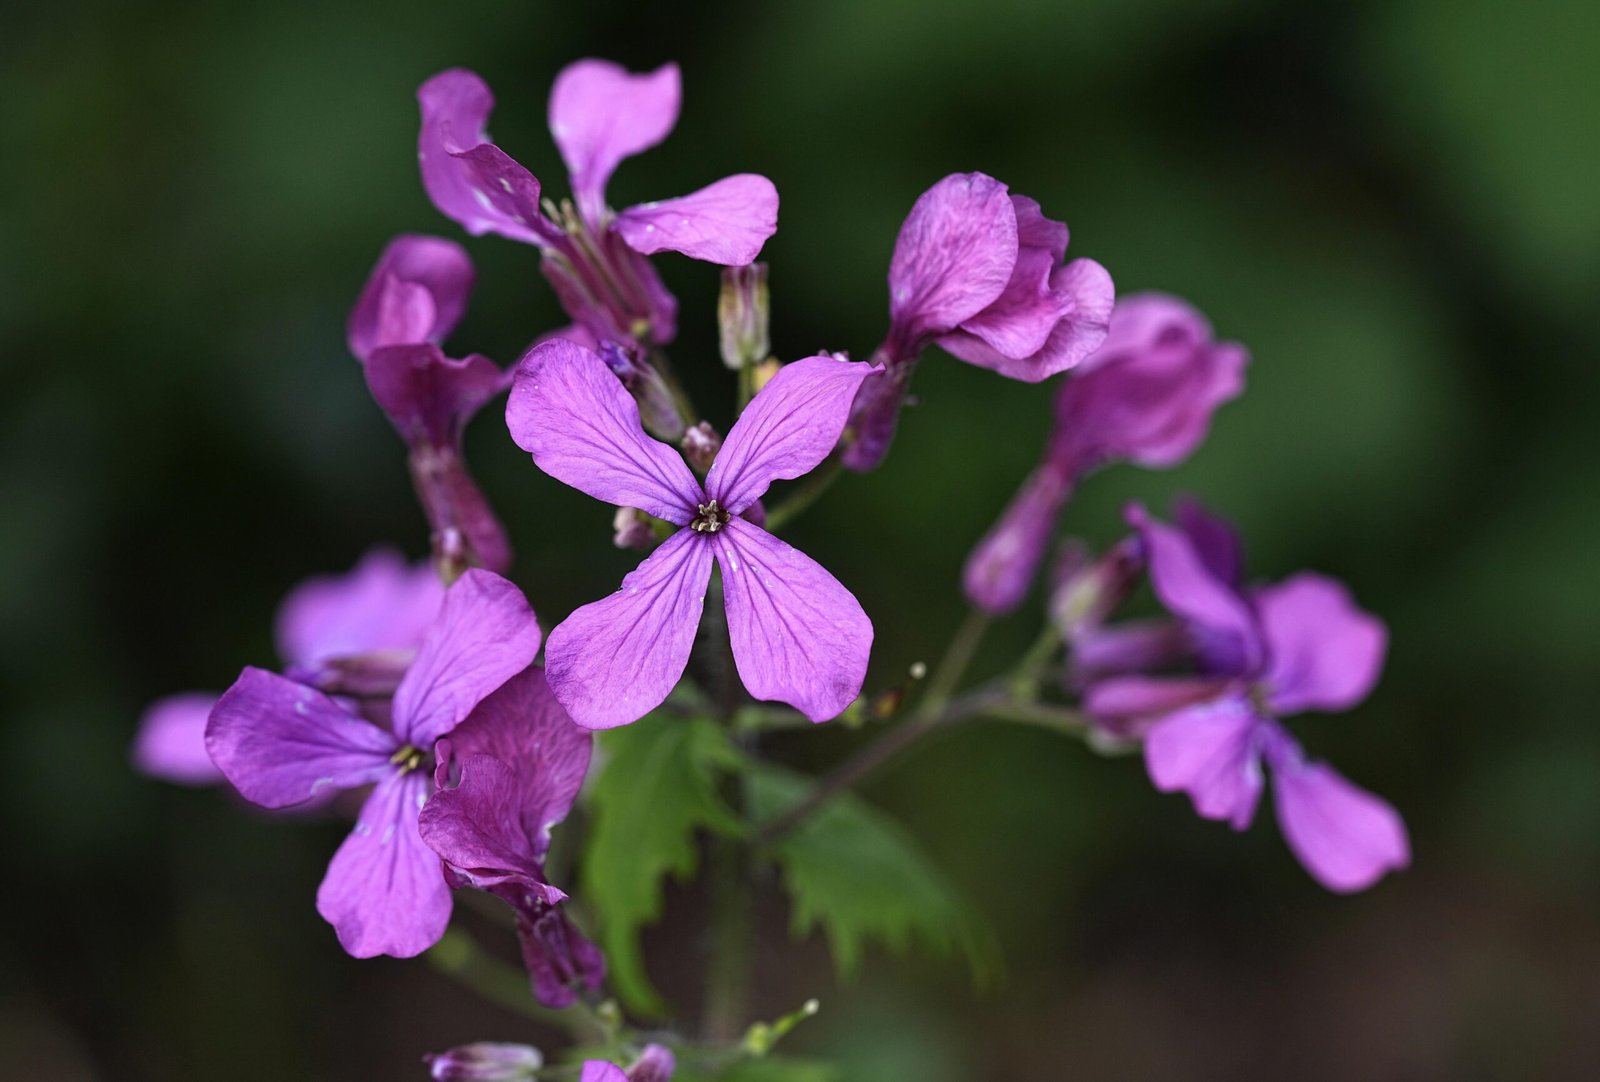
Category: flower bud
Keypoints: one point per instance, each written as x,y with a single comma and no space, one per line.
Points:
700,446
763,373
1088,590
657,408
656,1065
1002,566
631,529
743,314
486,1061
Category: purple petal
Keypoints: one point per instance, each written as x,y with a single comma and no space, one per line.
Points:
171,744
1188,589
485,1061
616,659
1209,751
416,293
1125,698
559,958
874,414
485,634
464,527
385,892
953,258
786,430
598,1070
583,429
726,222
384,603
1136,646
469,179
427,396
1214,539
1323,653
600,113
1002,566
1020,320
1346,837
281,743
521,763
655,1064
799,637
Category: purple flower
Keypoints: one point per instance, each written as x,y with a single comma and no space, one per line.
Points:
413,299
282,743
655,1064
328,629
1264,652
506,775
1146,397
486,1061
798,636
979,272
598,1070
594,256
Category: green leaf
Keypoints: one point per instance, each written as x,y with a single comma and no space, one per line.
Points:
854,872
658,787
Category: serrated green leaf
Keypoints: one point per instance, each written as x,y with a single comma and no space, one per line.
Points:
852,871
658,787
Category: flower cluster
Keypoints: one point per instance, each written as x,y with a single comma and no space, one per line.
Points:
421,689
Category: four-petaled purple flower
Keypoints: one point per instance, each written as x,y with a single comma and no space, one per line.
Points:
594,257
979,272
413,299
331,630
1146,396
506,775
1264,652
798,636
282,743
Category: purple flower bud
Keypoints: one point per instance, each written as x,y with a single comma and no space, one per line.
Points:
700,446
743,315
631,530
1087,591
658,410
655,1065
485,1061
1000,569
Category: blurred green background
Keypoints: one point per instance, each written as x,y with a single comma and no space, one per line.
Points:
1393,204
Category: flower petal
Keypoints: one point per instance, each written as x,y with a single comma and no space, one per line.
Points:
953,257
798,636
1125,698
385,891
583,429
616,659
1210,752
1346,837
1082,294
428,397
485,634
1188,589
384,603
417,292
522,762
558,957
1214,539
598,1070
1020,320
601,113
171,744
1323,653
281,743
469,179
1002,565
726,222
786,430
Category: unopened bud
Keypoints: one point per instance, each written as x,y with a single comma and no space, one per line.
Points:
657,408
700,446
762,374
655,1065
486,1061
1088,590
631,529
743,315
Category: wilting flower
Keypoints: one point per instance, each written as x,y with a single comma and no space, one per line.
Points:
413,299
1263,652
979,272
329,629
506,775
1146,396
486,1061
282,743
594,256
798,636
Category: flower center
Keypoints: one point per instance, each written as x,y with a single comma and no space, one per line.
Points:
409,758
709,518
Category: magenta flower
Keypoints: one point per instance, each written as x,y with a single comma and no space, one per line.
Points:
486,1061
979,272
798,635
413,299
1265,652
594,256
506,775
282,743
1146,397
329,629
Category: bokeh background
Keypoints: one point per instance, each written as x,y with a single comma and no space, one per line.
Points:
1393,204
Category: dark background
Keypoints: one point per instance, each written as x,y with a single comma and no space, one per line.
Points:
1394,205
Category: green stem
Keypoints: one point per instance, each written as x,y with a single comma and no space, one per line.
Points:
957,656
